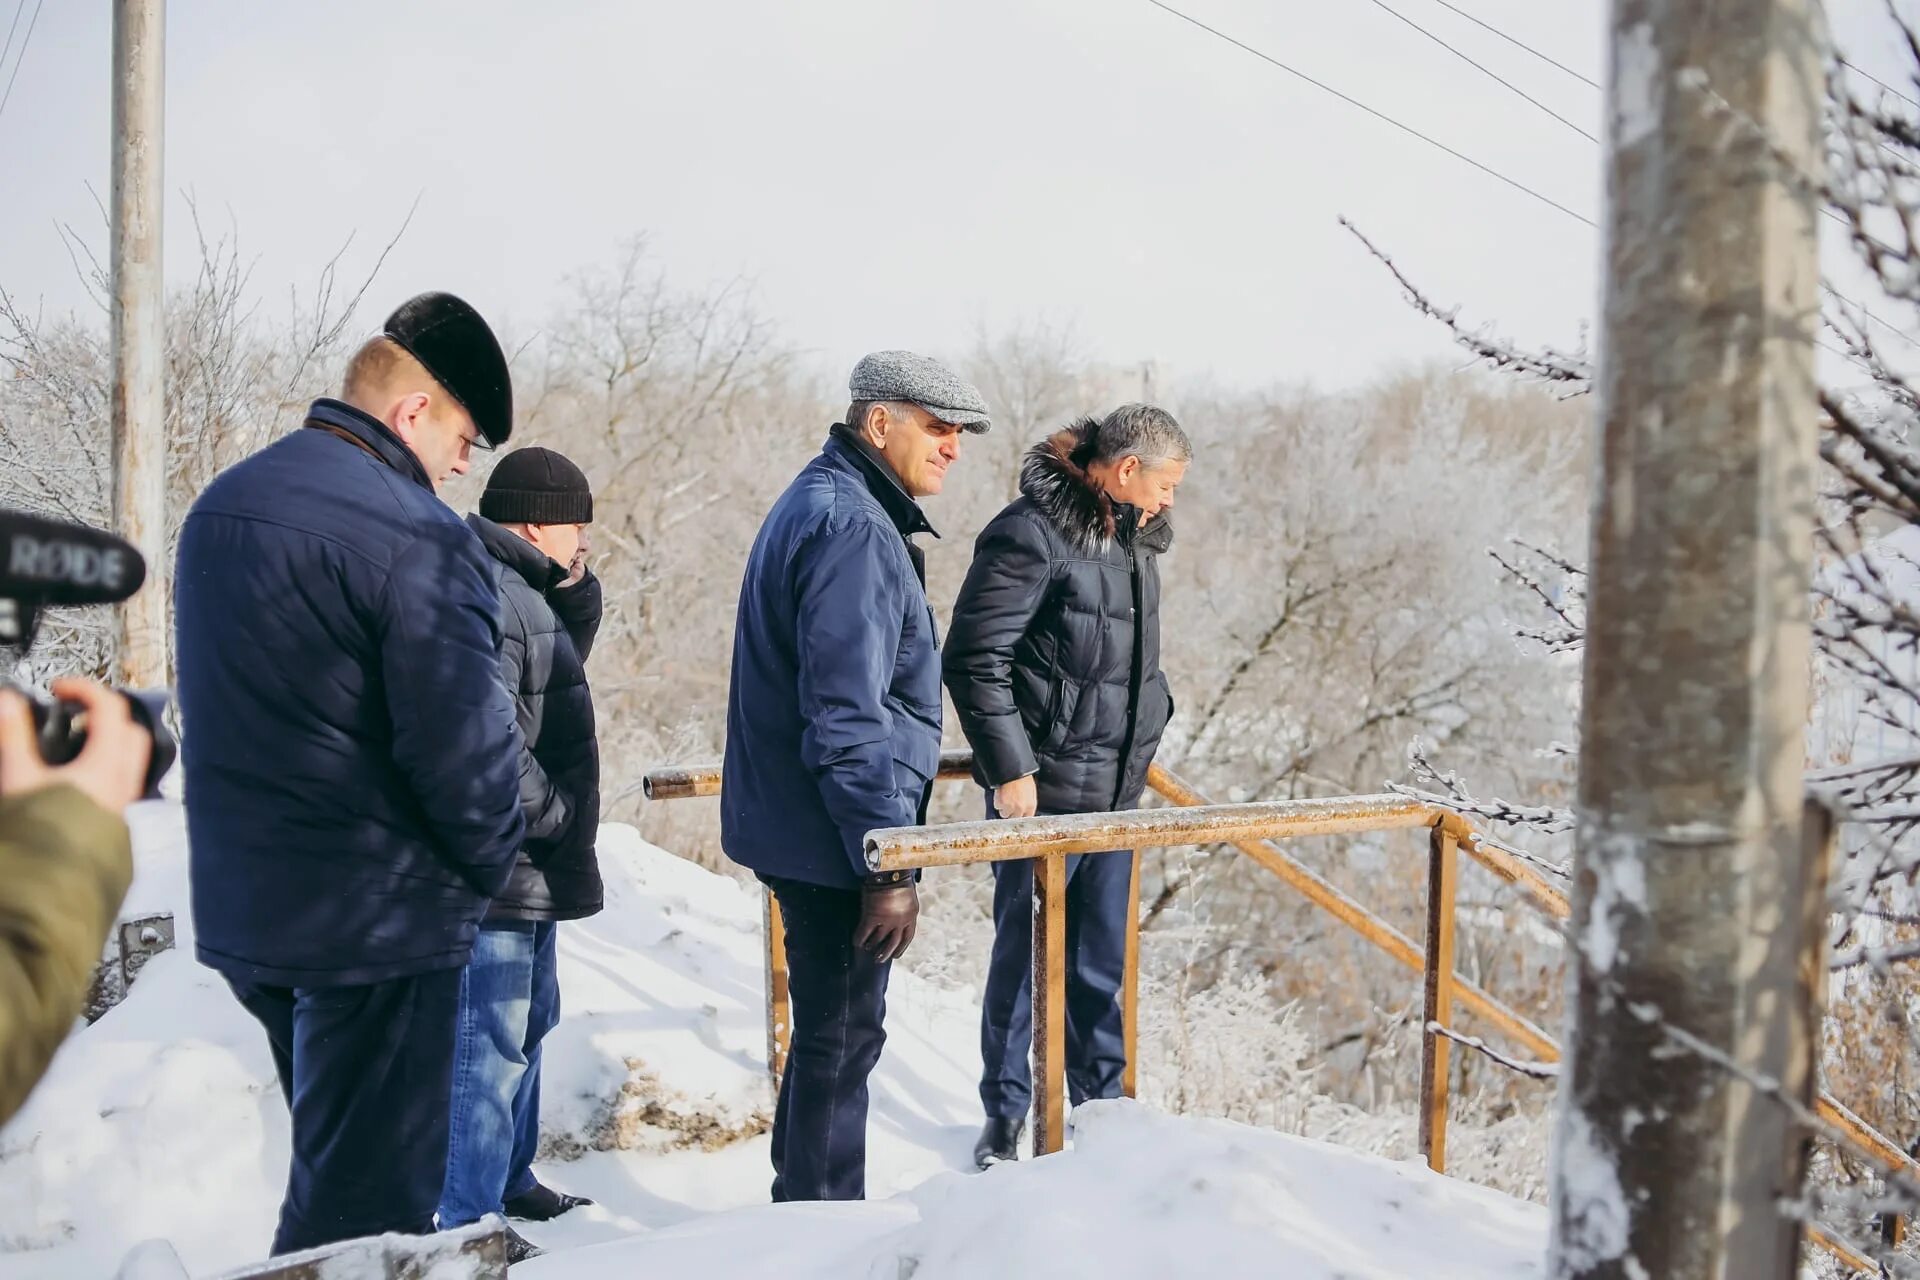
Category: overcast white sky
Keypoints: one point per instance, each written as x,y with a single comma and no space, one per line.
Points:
889,172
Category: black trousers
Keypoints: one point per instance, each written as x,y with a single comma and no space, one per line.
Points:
367,1072
839,1002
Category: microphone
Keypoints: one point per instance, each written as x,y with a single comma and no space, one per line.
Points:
52,562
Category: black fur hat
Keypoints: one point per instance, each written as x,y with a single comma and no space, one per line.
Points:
459,350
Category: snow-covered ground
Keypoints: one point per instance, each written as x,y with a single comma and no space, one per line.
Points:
163,1121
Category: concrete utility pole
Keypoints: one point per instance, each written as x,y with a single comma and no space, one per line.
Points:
139,406
1689,906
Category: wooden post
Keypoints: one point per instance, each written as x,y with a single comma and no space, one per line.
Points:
1371,928
779,1016
1435,1049
1691,878
138,405
1049,1004
1130,986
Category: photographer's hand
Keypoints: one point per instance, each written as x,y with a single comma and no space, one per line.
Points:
110,769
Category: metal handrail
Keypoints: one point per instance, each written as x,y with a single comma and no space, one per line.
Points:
956,843
694,782
1252,828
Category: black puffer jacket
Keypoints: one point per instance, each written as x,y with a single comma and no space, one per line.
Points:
548,632
1053,660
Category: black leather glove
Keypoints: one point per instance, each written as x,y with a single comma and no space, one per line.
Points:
889,913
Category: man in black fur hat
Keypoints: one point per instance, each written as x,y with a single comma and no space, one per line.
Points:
352,760
1054,667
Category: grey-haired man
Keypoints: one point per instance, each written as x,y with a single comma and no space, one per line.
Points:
833,730
1054,668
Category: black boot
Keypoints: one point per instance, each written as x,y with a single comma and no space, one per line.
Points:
542,1204
999,1142
519,1248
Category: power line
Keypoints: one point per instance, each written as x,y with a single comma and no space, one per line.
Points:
1861,307
1518,44
1484,70
24,42
1379,115
1862,71
1433,142
1858,306
1592,83
18,7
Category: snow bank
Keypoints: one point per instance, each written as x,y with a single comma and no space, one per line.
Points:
163,1120
1142,1196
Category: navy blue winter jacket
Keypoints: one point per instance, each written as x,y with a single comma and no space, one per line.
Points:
833,717
351,755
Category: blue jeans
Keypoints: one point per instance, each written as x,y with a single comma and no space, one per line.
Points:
509,1000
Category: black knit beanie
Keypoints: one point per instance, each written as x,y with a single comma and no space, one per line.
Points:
537,486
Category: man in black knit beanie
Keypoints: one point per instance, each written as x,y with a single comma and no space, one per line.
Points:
533,521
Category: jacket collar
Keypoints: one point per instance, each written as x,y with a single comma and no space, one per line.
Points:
1054,478
845,445
372,434
510,549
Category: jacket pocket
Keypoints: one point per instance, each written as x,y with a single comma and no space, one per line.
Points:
1054,724
915,765
1157,711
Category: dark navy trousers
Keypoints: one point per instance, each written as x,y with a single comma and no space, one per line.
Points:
1098,888
838,1002
367,1072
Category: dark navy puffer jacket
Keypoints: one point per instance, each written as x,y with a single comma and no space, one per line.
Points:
548,633
1053,660
350,751
833,715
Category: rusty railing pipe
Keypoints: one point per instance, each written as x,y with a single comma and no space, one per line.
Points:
1003,839
1331,817
698,781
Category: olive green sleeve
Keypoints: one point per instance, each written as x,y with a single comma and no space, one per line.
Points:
65,864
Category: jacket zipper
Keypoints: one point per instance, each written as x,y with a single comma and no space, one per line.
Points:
1137,670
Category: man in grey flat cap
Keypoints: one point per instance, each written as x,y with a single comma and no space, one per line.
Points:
833,730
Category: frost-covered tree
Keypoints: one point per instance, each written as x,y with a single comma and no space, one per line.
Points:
1864,739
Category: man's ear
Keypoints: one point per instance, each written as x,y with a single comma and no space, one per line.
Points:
410,414
878,424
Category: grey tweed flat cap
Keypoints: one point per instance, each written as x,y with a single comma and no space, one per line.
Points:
902,375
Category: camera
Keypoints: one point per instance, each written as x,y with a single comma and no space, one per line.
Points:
59,726
49,563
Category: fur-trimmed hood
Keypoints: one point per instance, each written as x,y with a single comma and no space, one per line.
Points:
1054,478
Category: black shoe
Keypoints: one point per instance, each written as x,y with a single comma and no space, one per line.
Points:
999,1143
519,1248
542,1204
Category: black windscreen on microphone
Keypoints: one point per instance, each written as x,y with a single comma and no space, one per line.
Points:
52,562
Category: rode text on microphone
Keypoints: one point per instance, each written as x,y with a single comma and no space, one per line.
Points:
50,563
